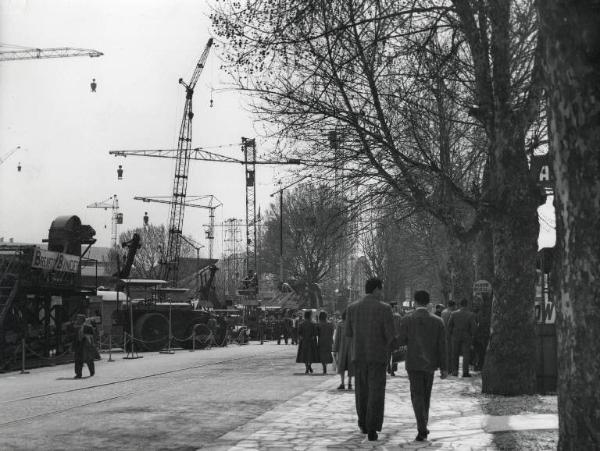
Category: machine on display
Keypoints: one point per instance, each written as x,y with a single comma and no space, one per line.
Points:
41,292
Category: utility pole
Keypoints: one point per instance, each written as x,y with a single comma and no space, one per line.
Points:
116,219
280,191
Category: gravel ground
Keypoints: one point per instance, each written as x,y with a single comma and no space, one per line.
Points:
516,405
526,440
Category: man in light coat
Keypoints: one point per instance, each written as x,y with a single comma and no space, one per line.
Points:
370,327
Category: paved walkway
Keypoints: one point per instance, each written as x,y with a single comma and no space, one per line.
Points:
325,418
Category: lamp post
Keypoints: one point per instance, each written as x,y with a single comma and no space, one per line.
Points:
280,191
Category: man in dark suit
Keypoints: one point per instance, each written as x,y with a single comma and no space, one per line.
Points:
370,327
425,336
461,329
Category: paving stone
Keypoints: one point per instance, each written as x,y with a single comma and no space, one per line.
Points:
324,418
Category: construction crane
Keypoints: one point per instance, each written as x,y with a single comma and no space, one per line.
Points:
5,157
248,147
194,201
170,267
116,219
27,53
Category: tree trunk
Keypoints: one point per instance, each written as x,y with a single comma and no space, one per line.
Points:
572,42
509,367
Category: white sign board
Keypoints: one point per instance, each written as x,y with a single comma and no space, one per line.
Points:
482,286
54,261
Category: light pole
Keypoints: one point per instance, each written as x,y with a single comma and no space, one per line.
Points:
280,191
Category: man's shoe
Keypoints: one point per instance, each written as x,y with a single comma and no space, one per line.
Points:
341,387
77,377
420,438
392,373
362,429
466,375
372,436
349,386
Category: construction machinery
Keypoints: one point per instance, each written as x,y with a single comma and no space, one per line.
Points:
195,202
180,179
40,294
151,316
6,155
250,162
12,53
111,203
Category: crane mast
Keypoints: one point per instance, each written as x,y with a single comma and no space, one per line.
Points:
184,145
249,161
249,149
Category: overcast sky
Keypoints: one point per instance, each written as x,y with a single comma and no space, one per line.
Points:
66,131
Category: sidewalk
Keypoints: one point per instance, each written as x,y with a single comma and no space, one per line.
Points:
325,418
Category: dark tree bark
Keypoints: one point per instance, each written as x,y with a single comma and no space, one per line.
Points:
509,367
573,68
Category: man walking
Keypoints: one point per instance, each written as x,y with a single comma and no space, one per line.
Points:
425,336
370,327
461,329
448,311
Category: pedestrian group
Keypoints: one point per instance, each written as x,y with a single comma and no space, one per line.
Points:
371,338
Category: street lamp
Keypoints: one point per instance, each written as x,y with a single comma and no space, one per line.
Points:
280,191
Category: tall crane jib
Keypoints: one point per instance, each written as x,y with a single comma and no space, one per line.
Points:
184,147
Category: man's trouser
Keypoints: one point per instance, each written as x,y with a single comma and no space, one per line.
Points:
369,383
461,346
420,395
79,367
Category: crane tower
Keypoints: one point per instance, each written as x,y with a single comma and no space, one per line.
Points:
249,149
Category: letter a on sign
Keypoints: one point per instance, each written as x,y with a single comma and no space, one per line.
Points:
545,173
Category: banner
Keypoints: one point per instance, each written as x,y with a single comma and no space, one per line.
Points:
54,261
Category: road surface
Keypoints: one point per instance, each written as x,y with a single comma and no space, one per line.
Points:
182,401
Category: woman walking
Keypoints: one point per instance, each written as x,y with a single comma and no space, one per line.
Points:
342,352
325,333
307,342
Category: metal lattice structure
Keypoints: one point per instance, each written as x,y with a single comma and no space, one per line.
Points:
211,204
26,53
111,203
170,269
249,149
199,154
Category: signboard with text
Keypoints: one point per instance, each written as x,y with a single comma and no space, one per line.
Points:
54,261
482,286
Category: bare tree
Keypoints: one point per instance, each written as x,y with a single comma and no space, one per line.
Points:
432,102
148,258
315,225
